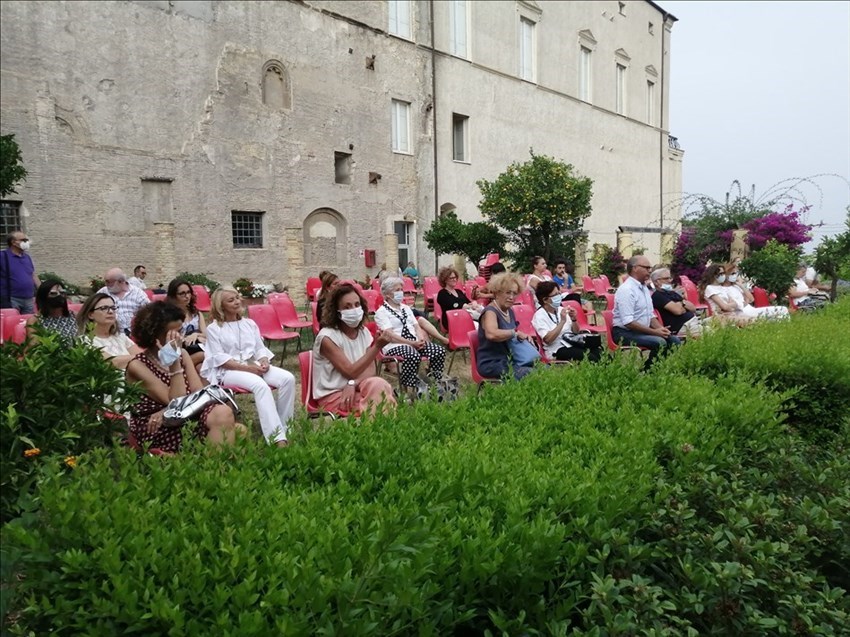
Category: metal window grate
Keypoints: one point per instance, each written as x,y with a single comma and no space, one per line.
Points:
10,217
247,229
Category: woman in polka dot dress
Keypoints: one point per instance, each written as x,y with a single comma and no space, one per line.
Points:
165,370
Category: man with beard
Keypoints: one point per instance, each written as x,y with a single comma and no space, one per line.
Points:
128,298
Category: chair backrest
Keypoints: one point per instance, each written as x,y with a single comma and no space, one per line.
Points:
313,283
408,285
525,297
202,298
374,300
600,287
438,313
608,315
266,319
604,278
609,299
581,317
460,324
469,287
305,363
276,296
472,337
430,287
492,258
314,313
159,297
480,281
691,291
10,320
149,293
760,297
75,307
588,285
376,285
524,314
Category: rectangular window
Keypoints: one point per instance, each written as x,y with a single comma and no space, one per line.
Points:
650,103
10,218
342,168
247,229
401,126
526,49
400,18
405,249
584,74
458,20
460,132
621,89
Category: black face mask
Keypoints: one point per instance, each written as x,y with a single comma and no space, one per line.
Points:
56,301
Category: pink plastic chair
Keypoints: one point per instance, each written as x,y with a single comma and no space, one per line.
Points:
202,298
526,297
430,288
472,335
588,286
10,321
287,315
149,293
604,279
374,300
460,324
410,286
75,307
314,314
609,299
600,287
311,286
609,334
305,363
760,297
524,314
159,297
581,318
492,258
270,329
3,314
692,294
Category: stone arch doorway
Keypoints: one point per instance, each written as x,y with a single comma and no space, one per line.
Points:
325,240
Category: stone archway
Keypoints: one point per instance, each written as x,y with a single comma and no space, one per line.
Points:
325,240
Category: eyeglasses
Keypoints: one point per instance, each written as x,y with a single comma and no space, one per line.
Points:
54,293
109,309
452,278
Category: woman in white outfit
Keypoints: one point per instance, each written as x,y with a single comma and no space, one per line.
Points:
237,357
743,298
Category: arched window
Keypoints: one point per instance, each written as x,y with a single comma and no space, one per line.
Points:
325,240
276,89
447,207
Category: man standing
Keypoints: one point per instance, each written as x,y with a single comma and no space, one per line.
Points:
138,278
634,319
677,313
18,280
127,298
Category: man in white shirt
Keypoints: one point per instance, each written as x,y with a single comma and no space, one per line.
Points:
634,319
138,278
129,299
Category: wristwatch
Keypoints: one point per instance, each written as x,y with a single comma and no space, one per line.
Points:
352,382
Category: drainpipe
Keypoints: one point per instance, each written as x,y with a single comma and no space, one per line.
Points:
662,141
434,115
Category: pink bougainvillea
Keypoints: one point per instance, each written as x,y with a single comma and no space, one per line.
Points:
785,227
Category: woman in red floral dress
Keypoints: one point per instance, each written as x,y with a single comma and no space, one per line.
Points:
165,371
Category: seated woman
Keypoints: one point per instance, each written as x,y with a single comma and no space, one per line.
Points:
181,294
329,282
166,372
344,357
804,296
716,295
412,272
743,298
452,298
538,273
97,325
554,324
406,337
497,327
237,357
53,313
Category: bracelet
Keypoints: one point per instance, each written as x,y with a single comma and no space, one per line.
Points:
179,371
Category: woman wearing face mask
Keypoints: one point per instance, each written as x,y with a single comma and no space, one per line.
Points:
716,295
406,337
236,357
555,324
97,325
743,299
165,371
344,357
53,313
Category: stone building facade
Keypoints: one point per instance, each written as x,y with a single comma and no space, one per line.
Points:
273,139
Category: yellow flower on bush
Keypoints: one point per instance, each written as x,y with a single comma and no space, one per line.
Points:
71,461
30,453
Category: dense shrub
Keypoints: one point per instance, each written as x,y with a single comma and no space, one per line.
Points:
51,403
199,279
70,288
808,359
772,268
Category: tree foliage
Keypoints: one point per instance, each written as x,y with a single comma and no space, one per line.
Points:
832,257
541,206
12,170
450,235
608,261
772,268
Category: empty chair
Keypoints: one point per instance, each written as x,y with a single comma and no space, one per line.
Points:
270,328
202,298
588,285
409,286
430,289
460,324
604,279
288,316
312,286
600,287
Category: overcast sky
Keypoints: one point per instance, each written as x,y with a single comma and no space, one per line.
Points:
760,92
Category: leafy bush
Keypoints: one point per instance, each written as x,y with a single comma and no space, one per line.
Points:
51,401
70,288
96,283
772,268
200,279
807,359
608,261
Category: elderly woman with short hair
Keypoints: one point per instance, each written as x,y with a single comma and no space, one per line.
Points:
406,338
498,326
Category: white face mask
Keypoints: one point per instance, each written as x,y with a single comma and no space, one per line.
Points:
721,278
667,286
352,317
398,296
733,277
168,355
25,245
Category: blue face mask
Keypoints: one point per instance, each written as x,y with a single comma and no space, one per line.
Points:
721,278
398,296
667,286
556,300
168,355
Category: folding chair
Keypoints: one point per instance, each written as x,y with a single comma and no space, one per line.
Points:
270,329
202,298
460,324
287,315
305,363
472,336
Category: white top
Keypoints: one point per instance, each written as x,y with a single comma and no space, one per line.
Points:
543,322
232,340
717,290
632,303
136,281
810,275
326,378
800,286
117,344
193,322
736,295
387,321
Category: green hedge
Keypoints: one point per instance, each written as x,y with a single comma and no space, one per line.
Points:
807,358
550,506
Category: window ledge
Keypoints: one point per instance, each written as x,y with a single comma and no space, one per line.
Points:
462,161
403,152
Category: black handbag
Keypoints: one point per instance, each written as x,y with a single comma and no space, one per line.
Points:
187,407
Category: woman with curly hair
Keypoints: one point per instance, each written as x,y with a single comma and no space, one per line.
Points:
453,298
165,371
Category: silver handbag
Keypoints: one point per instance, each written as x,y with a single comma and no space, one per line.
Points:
185,408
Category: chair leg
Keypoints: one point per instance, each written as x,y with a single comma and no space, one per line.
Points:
451,362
